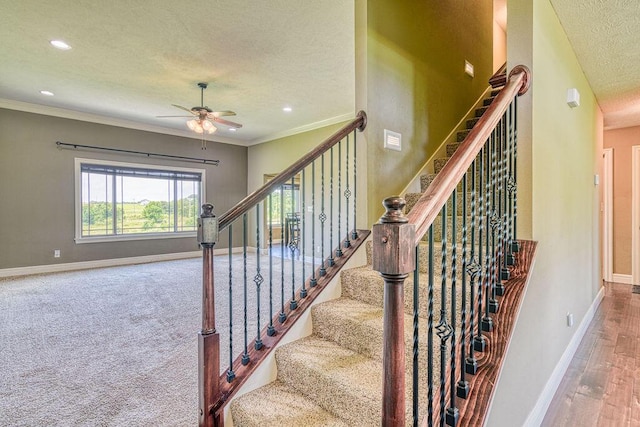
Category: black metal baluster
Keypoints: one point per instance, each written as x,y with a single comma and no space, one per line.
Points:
258,279
473,269
230,373
271,330
462,387
487,322
510,186
302,237
347,194
282,316
293,246
314,281
245,354
331,261
339,249
323,218
515,246
416,337
504,236
354,233
479,340
452,411
494,223
443,328
430,331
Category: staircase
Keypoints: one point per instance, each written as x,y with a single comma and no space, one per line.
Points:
334,376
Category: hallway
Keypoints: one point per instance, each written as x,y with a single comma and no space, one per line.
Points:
602,385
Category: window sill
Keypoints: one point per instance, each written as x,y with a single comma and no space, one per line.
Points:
130,237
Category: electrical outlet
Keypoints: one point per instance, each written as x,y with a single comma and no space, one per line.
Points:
569,320
318,249
56,253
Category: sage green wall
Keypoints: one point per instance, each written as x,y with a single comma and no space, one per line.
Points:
37,186
563,158
415,80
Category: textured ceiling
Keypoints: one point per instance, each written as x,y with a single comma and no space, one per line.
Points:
605,35
131,60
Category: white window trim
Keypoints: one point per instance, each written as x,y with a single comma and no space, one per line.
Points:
79,239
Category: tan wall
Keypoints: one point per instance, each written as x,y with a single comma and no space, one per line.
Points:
410,79
621,140
37,186
560,150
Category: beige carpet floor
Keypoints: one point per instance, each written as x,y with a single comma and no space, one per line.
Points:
118,346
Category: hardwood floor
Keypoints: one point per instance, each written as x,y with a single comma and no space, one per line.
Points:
602,385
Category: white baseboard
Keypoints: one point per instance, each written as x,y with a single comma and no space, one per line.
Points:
544,400
84,265
626,279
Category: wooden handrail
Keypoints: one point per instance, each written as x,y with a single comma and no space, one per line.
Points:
359,123
433,199
499,78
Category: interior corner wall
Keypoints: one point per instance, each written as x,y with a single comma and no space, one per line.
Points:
415,81
564,212
37,186
621,140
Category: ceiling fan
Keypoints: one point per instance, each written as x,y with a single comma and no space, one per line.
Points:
202,117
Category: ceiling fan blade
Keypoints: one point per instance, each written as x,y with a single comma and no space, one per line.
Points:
185,109
226,122
165,117
222,113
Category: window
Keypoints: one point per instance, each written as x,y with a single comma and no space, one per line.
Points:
285,199
116,201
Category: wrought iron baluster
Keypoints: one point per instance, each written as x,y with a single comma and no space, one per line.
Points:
258,279
245,354
354,233
282,316
271,330
479,340
323,218
339,248
430,331
416,337
330,260
452,414
487,322
293,246
504,236
515,246
314,281
462,387
443,328
230,373
494,222
473,269
302,236
347,194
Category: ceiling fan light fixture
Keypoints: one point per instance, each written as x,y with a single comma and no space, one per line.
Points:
208,127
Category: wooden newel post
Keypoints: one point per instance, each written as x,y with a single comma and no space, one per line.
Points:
208,338
394,259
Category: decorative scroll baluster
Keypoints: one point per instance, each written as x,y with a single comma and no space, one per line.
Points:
245,355
502,206
293,245
323,218
473,269
494,222
303,233
271,330
339,249
347,194
462,387
515,246
258,279
330,260
487,321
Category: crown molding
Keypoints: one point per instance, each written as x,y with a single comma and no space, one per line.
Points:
304,128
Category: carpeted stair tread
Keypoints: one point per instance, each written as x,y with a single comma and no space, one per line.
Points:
338,379
278,405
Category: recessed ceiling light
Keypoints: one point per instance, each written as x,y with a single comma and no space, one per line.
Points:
59,44
46,92
287,109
